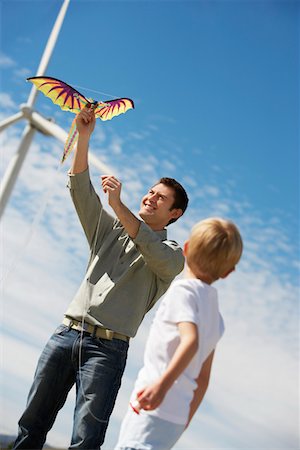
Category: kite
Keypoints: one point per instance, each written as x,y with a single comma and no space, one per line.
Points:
69,99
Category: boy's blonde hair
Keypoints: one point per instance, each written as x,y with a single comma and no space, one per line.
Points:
214,248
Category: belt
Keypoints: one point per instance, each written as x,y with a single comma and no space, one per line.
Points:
94,330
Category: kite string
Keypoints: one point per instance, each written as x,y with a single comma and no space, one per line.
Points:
4,281
5,278
96,92
86,306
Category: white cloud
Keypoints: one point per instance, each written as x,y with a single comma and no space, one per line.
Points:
22,73
6,101
190,181
6,61
24,40
116,145
205,190
254,397
168,166
137,136
43,264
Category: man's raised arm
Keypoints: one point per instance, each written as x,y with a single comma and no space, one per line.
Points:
85,123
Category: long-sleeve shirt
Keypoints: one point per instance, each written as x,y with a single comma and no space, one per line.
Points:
125,276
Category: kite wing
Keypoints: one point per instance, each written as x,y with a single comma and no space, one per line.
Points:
69,99
60,93
108,110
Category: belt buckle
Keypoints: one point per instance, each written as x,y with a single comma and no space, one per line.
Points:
81,326
85,326
109,334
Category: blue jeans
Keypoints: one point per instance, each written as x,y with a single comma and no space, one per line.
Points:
96,366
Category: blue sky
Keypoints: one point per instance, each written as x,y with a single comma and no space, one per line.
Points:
215,85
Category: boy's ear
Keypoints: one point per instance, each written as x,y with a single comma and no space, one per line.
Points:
227,273
185,247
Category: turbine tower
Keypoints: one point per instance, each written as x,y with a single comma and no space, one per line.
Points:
35,121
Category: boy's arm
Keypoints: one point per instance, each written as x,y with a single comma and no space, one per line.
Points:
152,396
202,385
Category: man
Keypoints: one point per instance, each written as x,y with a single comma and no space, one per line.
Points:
131,265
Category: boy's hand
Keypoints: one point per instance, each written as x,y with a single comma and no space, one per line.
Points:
85,121
151,397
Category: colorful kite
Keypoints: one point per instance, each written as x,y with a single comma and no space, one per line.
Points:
69,99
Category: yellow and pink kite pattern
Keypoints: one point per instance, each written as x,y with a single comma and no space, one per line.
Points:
69,99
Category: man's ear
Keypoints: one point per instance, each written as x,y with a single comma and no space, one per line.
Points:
185,247
176,213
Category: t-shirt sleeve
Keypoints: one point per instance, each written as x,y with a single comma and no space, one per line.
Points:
180,304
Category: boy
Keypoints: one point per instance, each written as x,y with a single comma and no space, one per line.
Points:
181,343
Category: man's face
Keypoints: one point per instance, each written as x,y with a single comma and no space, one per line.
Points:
156,207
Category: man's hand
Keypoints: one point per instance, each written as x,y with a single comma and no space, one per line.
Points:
85,124
85,121
112,186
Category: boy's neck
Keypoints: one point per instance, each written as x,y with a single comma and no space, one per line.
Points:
188,273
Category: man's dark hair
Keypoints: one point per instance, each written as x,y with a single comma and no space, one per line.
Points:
181,199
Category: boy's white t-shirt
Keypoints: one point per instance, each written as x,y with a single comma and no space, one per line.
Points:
187,300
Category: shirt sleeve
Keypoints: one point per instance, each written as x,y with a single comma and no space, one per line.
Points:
89,208
164,258
181,304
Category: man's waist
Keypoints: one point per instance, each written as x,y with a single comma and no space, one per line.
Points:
94,330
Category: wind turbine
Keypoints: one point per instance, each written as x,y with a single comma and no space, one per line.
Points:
35,121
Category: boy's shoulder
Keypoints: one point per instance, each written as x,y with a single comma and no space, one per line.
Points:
188,300
192,291
192,284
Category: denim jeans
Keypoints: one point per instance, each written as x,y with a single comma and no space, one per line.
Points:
96,366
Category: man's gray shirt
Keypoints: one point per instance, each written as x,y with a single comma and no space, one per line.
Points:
125,276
